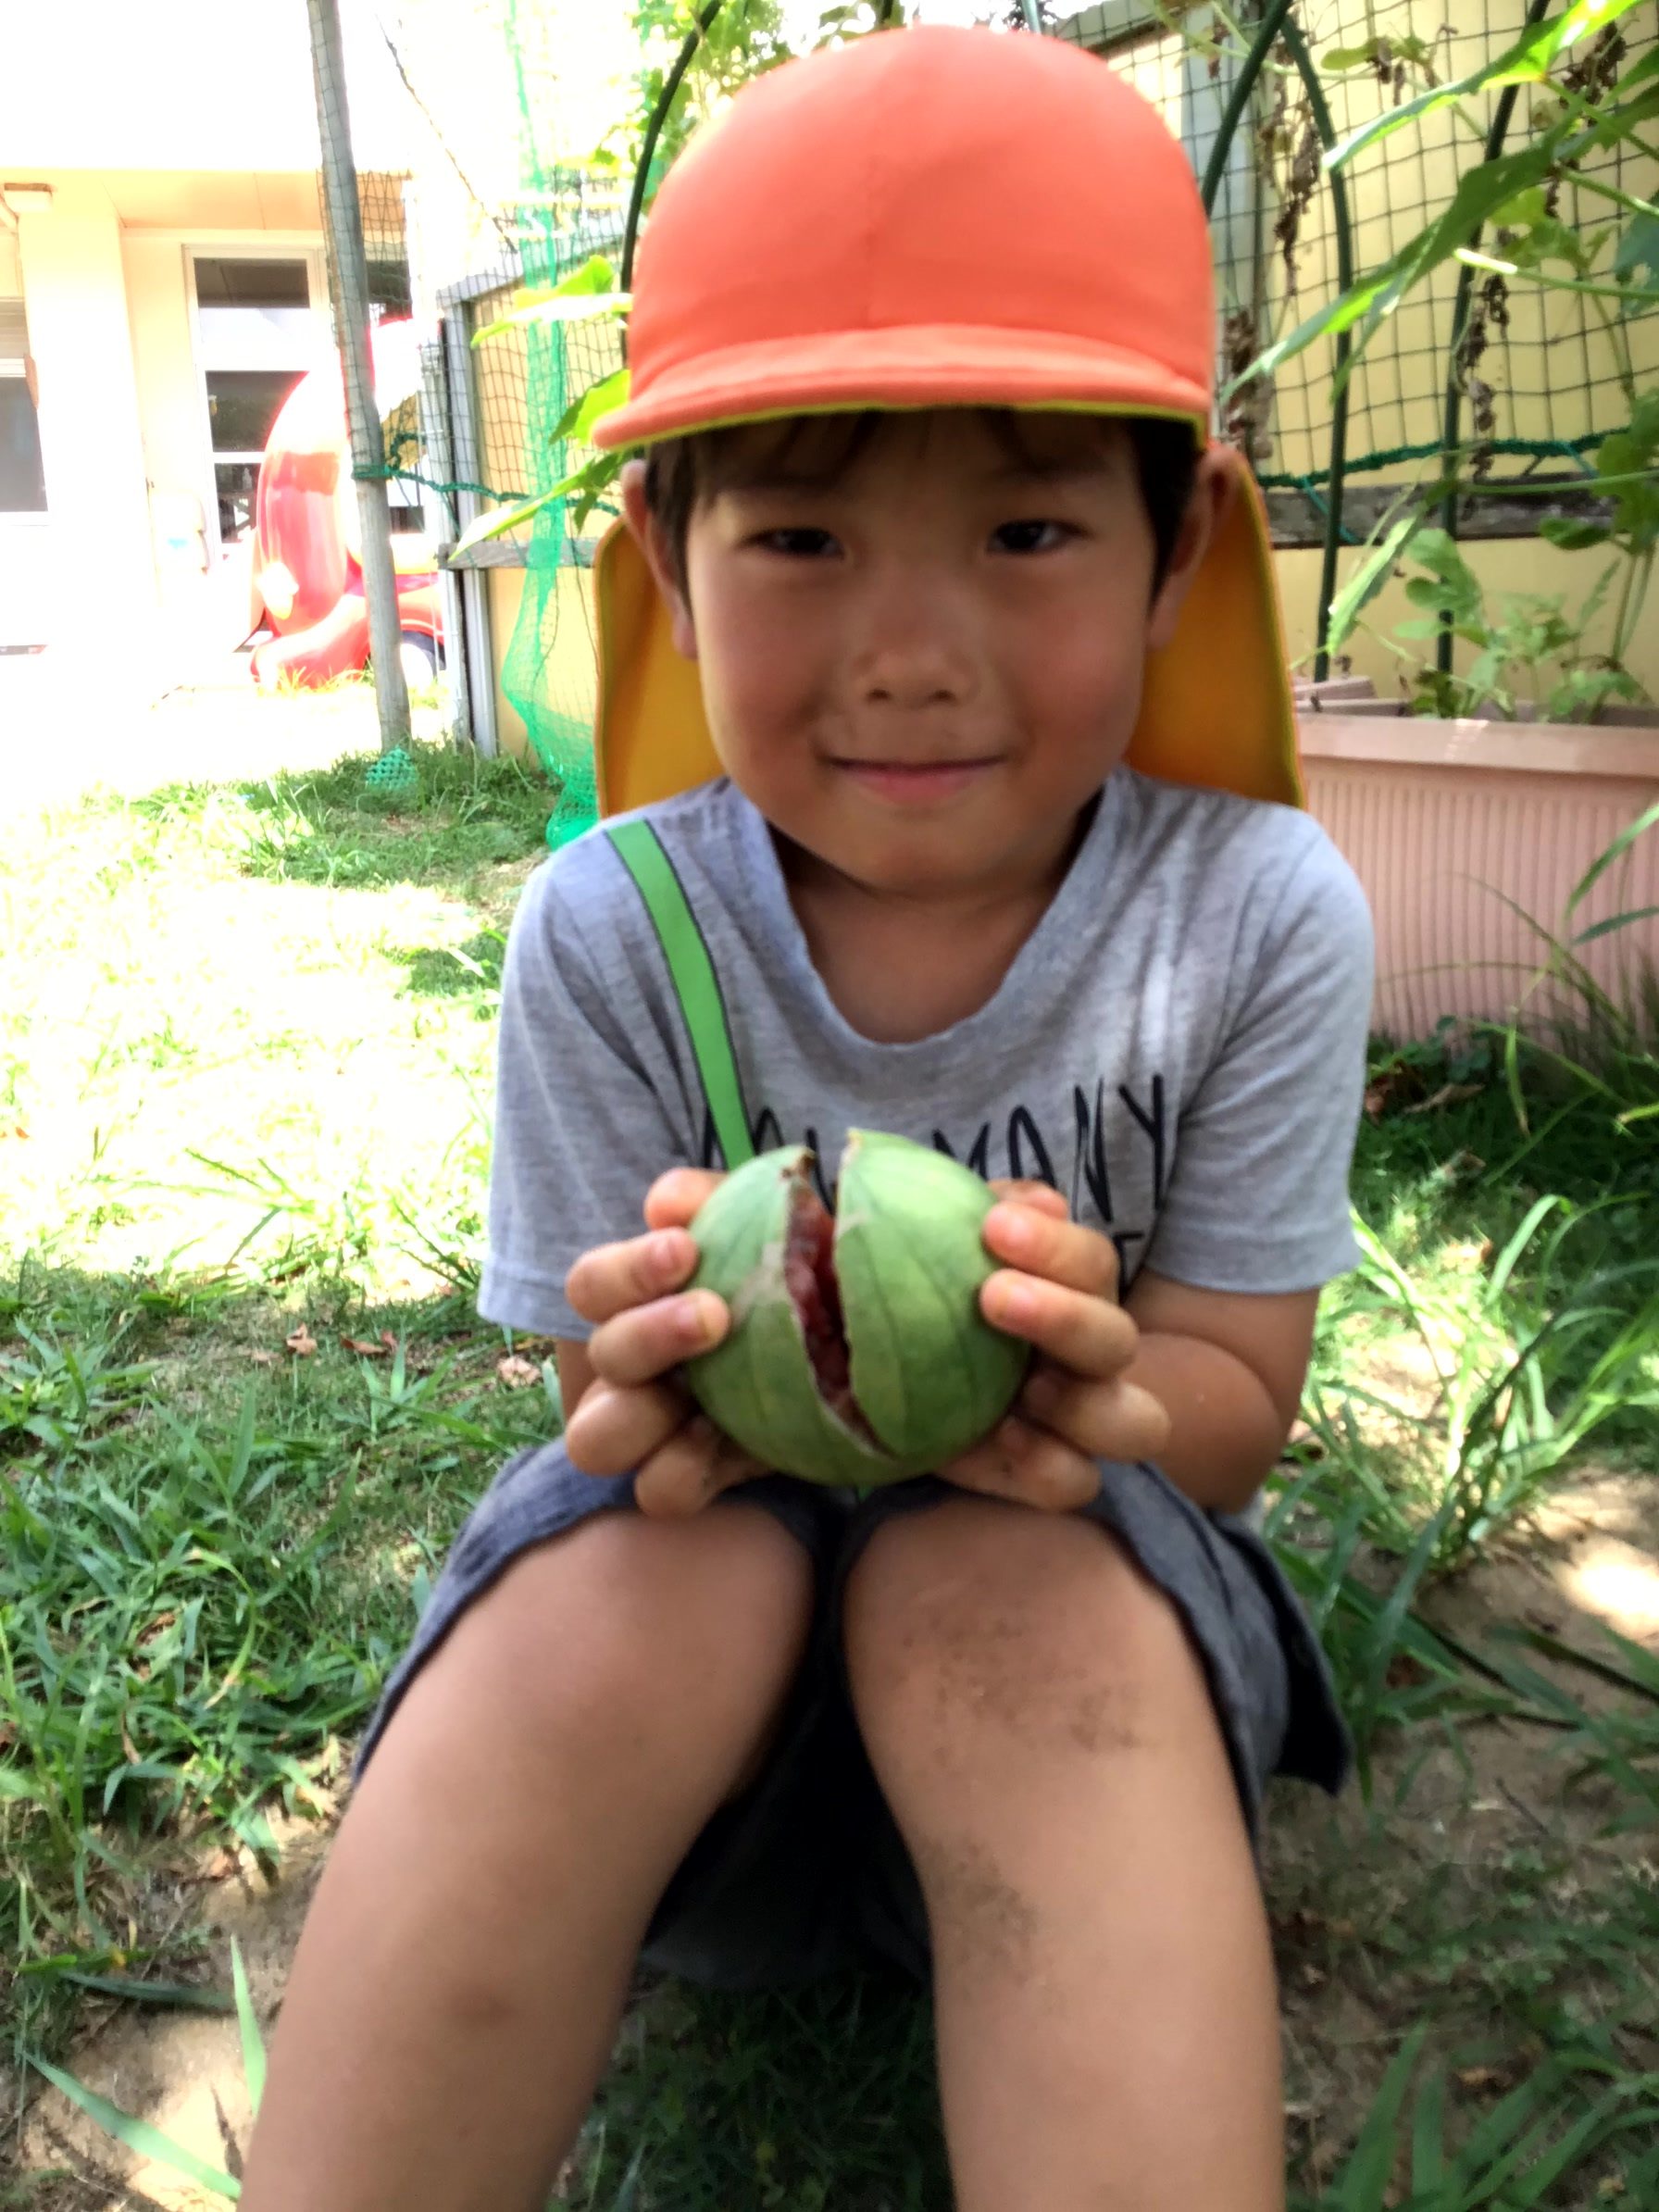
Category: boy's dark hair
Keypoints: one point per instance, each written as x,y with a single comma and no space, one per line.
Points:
679,471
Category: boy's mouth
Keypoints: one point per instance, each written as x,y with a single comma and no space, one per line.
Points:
914,783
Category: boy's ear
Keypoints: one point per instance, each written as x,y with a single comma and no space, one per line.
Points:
660,558
1214,487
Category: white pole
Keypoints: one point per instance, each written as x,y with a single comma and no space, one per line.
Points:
349,277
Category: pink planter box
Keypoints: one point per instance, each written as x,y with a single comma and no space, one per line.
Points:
1446,823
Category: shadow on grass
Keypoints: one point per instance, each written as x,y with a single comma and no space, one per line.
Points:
821,2098
472,969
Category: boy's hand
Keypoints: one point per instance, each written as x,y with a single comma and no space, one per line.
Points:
1059,1291
1074,1408
632,1415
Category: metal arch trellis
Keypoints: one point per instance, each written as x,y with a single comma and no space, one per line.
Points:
1536,10
1279,26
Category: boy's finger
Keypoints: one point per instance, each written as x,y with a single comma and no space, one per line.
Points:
1102,1420
675,1198
613,1278
612,1431
1023,1191
1031,1466
647,1340
690,1468
1090,1335
1053,1246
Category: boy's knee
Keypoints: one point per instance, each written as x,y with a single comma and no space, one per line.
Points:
637,1634
974,1618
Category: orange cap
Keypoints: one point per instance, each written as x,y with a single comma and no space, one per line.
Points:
935,218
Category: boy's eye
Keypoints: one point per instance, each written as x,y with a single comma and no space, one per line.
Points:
799,544
1035,536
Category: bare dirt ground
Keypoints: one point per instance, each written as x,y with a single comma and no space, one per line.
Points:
1381,1910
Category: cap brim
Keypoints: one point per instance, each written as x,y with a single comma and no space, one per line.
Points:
915,366
1215,709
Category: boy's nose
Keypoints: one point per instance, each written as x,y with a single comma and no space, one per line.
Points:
915,649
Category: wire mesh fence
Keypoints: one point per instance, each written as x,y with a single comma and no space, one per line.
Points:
1542,376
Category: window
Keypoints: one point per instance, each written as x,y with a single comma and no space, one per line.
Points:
243,402
252,284
256,335
22,480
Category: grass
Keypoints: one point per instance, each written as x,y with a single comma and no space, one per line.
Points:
245,1046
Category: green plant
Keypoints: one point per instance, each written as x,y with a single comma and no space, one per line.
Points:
1523,1374
1529,650
1511,2160
1584,102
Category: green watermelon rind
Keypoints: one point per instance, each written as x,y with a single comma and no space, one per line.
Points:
758,1385
897,1194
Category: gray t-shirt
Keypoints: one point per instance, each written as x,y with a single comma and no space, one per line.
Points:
1178,1046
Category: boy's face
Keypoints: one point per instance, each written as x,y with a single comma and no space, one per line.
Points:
921,664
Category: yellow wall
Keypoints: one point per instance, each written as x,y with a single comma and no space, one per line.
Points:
506,589
123,426
568,670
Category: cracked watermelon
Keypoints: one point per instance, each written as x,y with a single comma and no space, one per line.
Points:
857,1353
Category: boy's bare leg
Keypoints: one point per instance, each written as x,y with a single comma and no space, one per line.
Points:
1108,2034
458,1984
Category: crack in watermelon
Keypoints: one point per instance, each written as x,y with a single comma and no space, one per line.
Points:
809,1276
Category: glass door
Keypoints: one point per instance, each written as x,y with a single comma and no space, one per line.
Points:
259,326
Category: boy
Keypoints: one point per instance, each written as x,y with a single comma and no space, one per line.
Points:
921,349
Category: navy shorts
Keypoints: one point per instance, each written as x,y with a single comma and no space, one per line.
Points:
807,1872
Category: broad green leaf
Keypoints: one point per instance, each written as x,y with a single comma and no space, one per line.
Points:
138,2134
1639,248
1481,190
1368,579
590,290
1570,535
1528,61
603,398
580,309
501,519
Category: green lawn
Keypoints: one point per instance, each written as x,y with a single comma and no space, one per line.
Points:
245,1047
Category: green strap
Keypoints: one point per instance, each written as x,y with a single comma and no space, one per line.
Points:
692,973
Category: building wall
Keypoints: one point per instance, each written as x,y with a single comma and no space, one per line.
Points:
101,575
174,435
